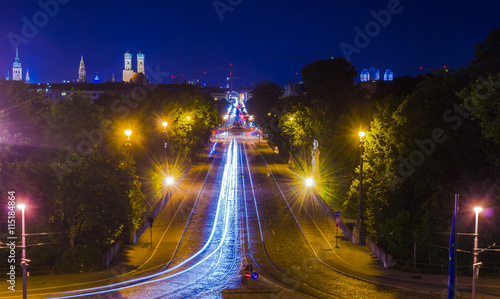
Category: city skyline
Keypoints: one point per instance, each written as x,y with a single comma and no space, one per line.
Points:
264,41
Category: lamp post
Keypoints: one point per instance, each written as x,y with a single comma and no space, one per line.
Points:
128,141
191,131
164,124
359,230
475,265
291,144
23,257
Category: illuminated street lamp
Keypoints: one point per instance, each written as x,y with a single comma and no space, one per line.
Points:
309,182
168,181
24,261
190,129
359,230
128,143
475,265
164,124
128,133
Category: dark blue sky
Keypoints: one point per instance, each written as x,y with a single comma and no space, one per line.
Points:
263,39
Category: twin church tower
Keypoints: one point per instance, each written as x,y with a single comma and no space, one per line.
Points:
128,73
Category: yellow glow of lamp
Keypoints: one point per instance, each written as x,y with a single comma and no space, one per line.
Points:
478,210
128,133
188,118
291,118
361,135
309,182
164,124
168,181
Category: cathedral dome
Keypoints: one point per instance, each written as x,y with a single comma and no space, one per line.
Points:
139,78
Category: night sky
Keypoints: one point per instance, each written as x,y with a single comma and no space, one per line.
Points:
269,40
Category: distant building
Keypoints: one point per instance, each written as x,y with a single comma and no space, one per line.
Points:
373,75
82,74
364,76
17,70
140,63
27,76
127,70
388,75
128,73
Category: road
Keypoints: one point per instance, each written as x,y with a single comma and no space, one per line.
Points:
239,208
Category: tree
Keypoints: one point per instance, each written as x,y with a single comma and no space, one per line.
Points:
264,98
487,55
96,194
482,98
418,154
331,81
94,201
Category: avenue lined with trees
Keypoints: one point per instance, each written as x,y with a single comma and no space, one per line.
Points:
69,163
428,138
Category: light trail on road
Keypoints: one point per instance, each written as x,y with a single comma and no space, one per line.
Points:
226,210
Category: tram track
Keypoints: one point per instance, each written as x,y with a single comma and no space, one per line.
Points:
163,273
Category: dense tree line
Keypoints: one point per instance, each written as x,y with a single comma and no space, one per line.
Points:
69,160
428,138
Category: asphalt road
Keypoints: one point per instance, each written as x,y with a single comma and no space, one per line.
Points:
241,207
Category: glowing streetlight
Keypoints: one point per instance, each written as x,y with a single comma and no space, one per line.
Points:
190,129
128,133
309,182
24,261
164,137
359,230
361,135
478,210
291,144
167,181
475,265
128,143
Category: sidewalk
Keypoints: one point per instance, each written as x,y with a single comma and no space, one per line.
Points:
359,262
126,264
